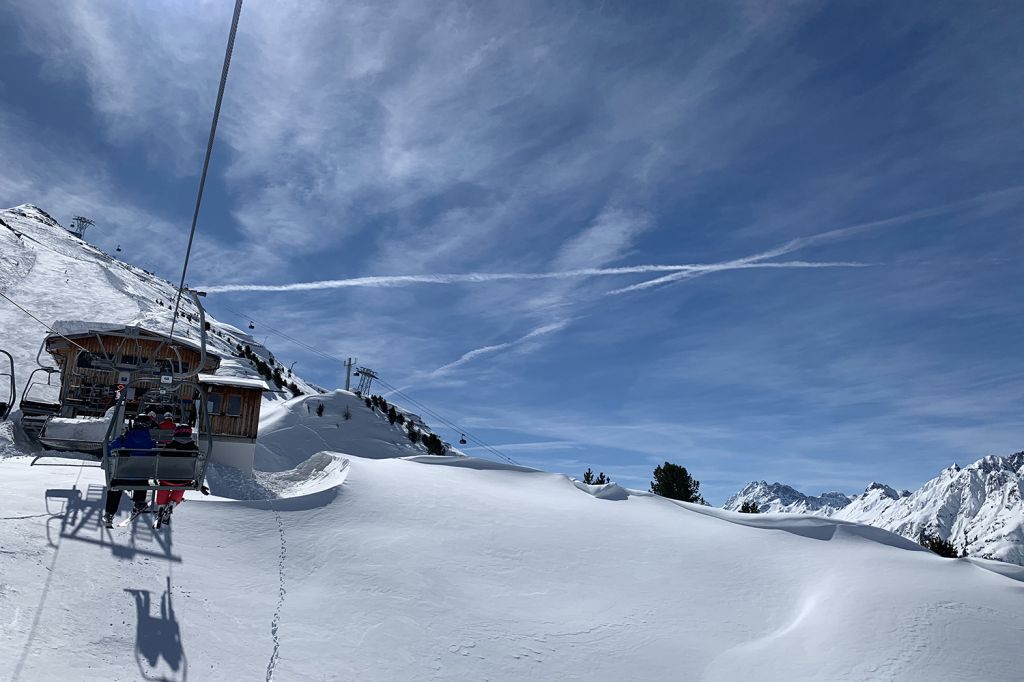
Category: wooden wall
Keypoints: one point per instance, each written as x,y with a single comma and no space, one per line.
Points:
246,424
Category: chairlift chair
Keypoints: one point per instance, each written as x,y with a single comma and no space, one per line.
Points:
38,402
462,439
251,325
118,248
6,407
145,469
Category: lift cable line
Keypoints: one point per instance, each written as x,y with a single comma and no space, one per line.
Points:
449,424
278,332
48,327
209,152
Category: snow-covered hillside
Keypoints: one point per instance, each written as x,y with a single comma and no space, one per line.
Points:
351,554
463,569
978,507
291,431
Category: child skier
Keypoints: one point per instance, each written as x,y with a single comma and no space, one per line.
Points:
182,445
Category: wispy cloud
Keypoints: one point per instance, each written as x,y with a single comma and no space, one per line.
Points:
483,277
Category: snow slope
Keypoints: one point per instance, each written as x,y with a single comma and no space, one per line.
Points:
291,430
978,507
392,569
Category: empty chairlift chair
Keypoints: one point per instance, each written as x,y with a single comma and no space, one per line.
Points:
39,401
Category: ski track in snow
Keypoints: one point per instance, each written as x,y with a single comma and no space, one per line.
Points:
281,591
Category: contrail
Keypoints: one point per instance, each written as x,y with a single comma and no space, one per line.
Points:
478,277
485,350
823,238
743,264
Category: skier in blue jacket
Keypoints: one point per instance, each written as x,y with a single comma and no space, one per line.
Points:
137,440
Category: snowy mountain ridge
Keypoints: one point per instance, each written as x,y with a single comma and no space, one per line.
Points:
977,508
777,497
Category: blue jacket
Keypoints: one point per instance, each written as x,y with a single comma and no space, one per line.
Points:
135,439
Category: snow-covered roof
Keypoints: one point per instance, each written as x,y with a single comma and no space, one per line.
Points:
71,328
245,382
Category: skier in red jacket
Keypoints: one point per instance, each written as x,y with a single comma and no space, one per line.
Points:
184,446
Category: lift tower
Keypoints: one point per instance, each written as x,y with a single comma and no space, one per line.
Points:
78,226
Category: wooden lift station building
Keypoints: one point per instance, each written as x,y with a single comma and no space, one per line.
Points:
89,388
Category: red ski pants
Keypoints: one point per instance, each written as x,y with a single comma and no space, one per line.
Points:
165,496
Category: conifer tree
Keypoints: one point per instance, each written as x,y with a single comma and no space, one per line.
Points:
941,547
674,482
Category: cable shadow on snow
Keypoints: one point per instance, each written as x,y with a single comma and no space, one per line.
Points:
158,637
78,517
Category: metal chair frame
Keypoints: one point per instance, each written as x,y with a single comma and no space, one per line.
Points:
126,469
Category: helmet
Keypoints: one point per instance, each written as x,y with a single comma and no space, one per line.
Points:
152,415
183,432
168,415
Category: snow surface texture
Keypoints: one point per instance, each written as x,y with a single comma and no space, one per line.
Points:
353,555
978,507
392,569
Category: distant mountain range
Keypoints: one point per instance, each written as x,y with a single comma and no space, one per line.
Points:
978,508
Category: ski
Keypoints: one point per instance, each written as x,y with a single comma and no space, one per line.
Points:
163,515
132,516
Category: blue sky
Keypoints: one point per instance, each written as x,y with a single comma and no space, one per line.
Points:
844,179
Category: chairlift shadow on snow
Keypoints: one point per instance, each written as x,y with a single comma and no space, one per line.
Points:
77,517
158,636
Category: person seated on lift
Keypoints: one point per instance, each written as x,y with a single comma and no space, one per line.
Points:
181,445
136,441
168,424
